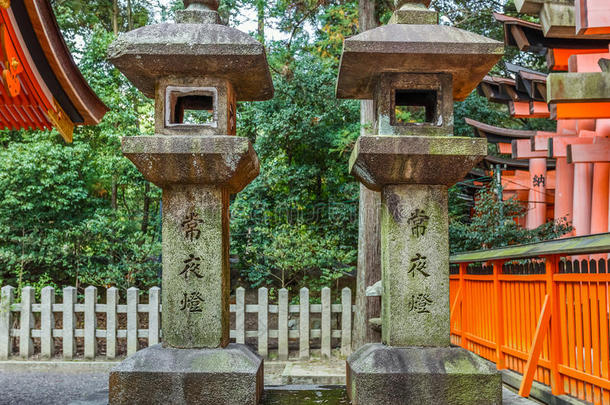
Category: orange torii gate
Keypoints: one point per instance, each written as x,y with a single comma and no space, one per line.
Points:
592,17
566,130
530,37
580,101
521,104
590,176
536,212
598,154
518,143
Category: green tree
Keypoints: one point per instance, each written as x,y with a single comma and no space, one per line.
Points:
493,225
82,213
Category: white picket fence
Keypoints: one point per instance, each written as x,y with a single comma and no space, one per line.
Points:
73,326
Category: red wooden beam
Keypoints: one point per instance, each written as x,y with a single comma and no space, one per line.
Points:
558,59
599,151
522,149
558,145
592,17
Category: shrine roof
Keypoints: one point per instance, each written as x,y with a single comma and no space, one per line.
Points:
580,245
516,164
529,81
527,86
510,164
42,87
529,36
497,134
499,90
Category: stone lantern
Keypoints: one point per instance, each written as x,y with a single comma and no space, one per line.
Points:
413,70
196,70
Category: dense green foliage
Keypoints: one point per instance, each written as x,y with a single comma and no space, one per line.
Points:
494,225
81,214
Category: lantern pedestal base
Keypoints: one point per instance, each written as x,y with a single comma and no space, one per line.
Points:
379,374
160,375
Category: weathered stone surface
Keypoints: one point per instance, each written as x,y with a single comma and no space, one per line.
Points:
414,13
415,266
531,7
211,4
226,162
157,375
195,267
385,96
558,20
412,48
401,3
377,161
378,374
575,87
224,117
146,54
197,16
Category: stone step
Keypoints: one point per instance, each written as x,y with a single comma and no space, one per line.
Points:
316,373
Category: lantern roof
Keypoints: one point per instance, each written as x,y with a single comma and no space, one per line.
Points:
196,45
415,48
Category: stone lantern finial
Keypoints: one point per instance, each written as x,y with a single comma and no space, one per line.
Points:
207,4
198,12
399,3
413,12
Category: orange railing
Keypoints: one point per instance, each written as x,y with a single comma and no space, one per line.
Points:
541,310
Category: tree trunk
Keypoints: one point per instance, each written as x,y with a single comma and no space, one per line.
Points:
129,16
115,17
369,236
260,6
146,207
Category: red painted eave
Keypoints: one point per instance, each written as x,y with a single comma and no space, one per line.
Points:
91,108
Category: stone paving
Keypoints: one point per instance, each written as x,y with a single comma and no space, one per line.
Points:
55,388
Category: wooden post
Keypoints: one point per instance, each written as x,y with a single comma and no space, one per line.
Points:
346,321
69,323
240,316
263,330
564,189
582,199
133,299
369,235
112,301
154,305
536,348
282,324
47,322
499,327
304,324
599,197
536,210
464,323
325,332
26,323
6,321
90,322
552,266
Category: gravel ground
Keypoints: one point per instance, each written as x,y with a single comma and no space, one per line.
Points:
48,388
53,388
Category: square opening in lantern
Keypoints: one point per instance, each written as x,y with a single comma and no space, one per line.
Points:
191,106
413,107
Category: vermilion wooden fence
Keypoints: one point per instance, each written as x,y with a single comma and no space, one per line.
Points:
541,310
